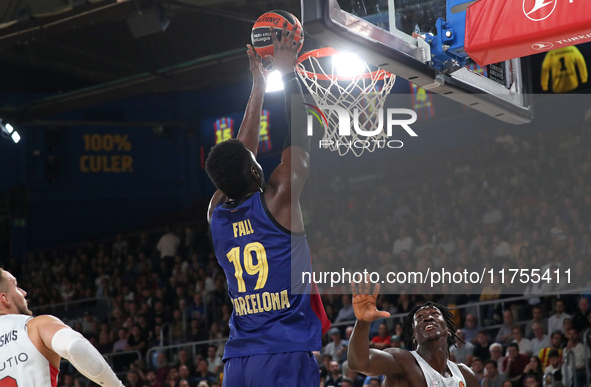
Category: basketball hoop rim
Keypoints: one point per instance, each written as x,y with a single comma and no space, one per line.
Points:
329,51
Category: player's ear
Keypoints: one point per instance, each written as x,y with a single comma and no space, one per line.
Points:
254,171
4,300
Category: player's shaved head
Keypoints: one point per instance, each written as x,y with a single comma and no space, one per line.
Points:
228,166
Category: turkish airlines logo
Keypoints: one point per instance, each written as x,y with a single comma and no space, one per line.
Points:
542,46
538,10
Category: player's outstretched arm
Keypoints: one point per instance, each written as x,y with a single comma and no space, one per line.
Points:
62,340
250,127
251,123
287,181
361,358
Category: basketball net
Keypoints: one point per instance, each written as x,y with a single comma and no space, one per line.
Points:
364,93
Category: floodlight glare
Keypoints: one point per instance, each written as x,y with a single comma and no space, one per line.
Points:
274,82
9,128
348,64
15,137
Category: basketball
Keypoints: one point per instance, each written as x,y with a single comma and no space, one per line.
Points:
261,33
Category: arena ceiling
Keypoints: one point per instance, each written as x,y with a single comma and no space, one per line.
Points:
64,46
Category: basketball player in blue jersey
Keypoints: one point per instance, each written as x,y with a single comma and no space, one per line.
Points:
429,328
258,236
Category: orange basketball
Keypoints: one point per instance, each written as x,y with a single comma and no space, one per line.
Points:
261,33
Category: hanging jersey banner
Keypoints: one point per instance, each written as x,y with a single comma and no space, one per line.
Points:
500,30
265,133
422,102
224,129
562,65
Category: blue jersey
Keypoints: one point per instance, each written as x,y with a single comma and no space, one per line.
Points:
273,310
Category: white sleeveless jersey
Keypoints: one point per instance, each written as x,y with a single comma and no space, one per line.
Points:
21,364
435,379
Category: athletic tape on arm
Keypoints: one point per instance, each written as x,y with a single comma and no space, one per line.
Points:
72,346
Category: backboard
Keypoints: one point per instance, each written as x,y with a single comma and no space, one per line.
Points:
391,34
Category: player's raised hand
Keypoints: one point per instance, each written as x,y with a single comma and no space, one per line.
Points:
364,302
259,73
285,51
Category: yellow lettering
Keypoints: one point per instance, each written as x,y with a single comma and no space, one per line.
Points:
275,299
105,164
241,229
255,307
235,227
95,166
260,306
267,302
126,162
284,300
116,163
248,308
250,226
242,306
84,163
236,308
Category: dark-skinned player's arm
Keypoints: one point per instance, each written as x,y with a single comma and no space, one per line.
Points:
363,359
250,127
287,181
471,379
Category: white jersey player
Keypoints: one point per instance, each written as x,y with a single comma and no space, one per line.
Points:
31,347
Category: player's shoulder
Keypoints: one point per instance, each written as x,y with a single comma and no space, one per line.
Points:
44,319
401,355
469,375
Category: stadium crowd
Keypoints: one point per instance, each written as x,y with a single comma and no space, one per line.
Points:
507,202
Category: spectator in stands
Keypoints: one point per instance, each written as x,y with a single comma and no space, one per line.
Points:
471,328
346,312
356,377
403,243
531,381
555,321
168,244
162,367
183,359
346,382
337,347
462,351
133,379
553,366
496,355
514,363
534,368
185,374
555,344
172,378
581,318
334,376
537,317
575,346
215,362
151,380
203,373
500,249
325,367
492,377
482,345
504,333
478,368
382,340
540,340
525,345
135,341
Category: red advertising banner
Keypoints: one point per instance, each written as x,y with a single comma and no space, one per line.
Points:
498,30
